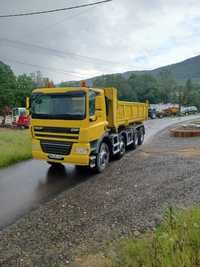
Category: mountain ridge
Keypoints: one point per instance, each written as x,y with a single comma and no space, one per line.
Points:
182,71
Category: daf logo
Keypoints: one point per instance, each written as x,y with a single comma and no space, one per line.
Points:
38,128
74,130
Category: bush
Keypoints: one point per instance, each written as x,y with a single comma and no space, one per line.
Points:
176,243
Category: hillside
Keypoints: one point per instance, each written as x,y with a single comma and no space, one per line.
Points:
187,69
181,72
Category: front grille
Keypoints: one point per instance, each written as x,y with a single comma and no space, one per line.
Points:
58,130
56,147
57,136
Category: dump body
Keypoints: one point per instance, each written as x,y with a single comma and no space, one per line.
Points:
128,113
123,113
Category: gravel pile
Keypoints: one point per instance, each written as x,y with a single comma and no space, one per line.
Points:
129,197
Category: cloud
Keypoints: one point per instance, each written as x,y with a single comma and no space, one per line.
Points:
126,35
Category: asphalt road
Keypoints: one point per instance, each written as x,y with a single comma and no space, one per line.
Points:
25,186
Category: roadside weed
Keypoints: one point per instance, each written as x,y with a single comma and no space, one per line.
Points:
15,146
175,243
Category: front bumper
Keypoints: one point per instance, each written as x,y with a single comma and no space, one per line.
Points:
73,158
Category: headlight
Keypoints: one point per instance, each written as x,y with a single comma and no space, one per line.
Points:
81,150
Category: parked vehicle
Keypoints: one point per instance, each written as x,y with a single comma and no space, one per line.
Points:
171,111
84,126
8,121
20,118
165,110
189,110
15,118
152,112
1,120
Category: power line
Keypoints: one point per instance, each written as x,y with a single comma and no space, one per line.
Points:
53,10
43,67
60,53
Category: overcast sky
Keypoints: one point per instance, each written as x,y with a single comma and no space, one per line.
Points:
118,36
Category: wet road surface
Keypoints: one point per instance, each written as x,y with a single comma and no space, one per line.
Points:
26,185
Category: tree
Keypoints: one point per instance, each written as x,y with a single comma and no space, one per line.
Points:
7,86
192,94
125,91
24,87
38,80
145,87
14,90
167,86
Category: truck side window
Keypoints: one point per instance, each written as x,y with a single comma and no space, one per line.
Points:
92,103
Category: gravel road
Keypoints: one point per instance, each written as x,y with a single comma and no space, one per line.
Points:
24,186
130,195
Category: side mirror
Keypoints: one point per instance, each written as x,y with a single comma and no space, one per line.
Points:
28,106
27,103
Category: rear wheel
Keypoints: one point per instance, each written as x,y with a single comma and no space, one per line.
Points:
135,141
122,148
141,137
103,157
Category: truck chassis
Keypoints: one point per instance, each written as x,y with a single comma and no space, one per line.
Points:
115,145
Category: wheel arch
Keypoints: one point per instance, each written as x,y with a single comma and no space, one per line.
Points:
105,138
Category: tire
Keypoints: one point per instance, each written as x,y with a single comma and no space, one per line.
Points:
122,146
103,158
54,164
141,137
81,168
134,145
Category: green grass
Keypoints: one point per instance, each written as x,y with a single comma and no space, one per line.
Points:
176,243
15,146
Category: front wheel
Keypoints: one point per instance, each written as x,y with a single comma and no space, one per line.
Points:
81,168
54,164
103,157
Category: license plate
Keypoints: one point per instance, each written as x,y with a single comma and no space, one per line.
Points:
54,156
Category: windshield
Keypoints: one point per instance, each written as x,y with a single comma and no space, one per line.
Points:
70,106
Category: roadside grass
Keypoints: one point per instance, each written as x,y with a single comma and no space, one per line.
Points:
15,146
175,243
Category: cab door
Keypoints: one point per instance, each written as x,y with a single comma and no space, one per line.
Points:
97,115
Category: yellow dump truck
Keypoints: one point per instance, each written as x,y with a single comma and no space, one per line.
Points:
84,126
171,111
